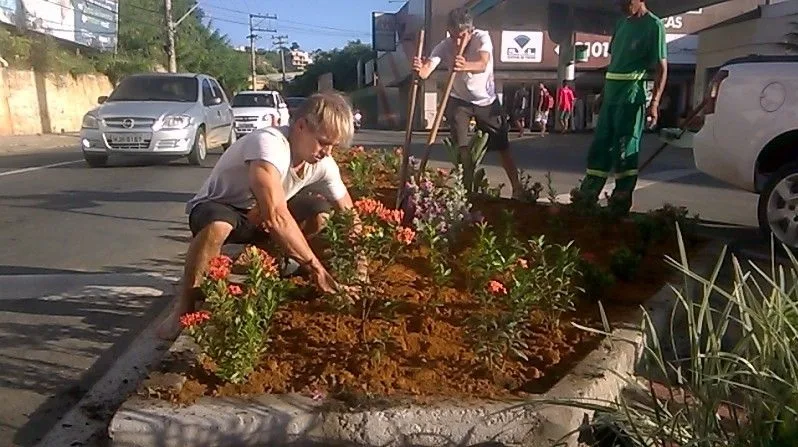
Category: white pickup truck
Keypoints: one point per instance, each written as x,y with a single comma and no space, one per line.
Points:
750,137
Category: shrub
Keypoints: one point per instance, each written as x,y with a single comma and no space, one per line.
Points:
625,263
233,329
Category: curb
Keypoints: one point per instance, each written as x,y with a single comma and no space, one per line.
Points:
288,419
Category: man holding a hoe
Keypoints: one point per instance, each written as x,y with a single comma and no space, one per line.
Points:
473,91
637,46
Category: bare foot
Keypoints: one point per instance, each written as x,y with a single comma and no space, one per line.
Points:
170,328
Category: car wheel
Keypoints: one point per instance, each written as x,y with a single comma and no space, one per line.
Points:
778,206
231,139
199,152
96,161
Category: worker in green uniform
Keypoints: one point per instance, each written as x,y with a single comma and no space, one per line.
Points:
638,45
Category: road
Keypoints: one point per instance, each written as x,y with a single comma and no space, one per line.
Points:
75,240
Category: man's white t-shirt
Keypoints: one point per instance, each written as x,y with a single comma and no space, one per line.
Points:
476,88
229,180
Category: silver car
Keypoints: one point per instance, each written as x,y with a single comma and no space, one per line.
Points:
159,114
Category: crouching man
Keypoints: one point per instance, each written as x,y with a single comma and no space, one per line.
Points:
276,183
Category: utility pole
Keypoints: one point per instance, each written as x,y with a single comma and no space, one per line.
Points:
252,36
280,41
170,32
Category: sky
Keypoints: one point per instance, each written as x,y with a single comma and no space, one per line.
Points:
313,24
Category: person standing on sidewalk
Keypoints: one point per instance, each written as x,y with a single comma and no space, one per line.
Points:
473,92
520,106
565,101
545,104
637,46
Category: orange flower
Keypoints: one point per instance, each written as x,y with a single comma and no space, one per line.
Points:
497,288
398,151
194,318
368,207
234,289
368,230
393,217
357,150
405,235
523,263
442,172
219,267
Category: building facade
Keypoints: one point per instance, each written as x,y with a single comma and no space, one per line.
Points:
525,52
300,59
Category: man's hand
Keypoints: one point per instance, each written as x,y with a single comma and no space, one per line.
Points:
459,63
417,64
323,279
652,115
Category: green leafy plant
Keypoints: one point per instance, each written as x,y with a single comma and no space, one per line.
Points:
530,189
595,280
487,259
729,379
625,263
469,160
551,193
362,168
233,329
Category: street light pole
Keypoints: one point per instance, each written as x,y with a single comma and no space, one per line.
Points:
252,36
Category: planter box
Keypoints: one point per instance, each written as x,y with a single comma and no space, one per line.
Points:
277,420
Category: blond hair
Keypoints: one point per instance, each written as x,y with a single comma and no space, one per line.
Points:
330,114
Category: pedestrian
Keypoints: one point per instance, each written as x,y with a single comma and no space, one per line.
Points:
565,100
277,183
545,104
520,106
473,91
638,45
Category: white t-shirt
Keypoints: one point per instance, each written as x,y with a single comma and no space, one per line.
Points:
229,179
476,88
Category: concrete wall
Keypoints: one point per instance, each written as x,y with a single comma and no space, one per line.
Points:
33,103
762,36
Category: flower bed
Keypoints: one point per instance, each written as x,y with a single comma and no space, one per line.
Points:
464,295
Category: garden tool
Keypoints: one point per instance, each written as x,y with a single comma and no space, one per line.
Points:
404,194
441,110
411,111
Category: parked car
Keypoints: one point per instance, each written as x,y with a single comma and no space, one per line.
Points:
159,115
750,135
257,110
294,103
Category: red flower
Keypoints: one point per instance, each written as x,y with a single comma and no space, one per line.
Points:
497,288
219,267
194,318
405,235
234,289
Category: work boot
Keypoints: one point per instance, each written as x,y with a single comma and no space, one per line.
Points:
620,204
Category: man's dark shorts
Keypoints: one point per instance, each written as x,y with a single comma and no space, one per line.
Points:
302,206
490,119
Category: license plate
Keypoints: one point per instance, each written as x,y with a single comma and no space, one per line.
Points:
245,126
125,138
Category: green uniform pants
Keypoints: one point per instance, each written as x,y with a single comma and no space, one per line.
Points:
616,144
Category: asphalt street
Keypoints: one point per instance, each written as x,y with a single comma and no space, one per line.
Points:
81,247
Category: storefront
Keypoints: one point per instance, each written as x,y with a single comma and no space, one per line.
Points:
525,53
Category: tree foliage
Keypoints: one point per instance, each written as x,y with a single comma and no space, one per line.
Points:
342,63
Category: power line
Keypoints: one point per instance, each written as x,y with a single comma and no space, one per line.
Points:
312,26
252,36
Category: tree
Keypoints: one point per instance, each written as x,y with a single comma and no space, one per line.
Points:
294,46
341,62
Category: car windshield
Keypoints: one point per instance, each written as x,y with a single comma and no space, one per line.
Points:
250,100
156,88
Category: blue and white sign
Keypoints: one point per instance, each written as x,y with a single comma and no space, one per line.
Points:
522,46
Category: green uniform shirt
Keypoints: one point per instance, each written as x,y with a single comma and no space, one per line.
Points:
637,45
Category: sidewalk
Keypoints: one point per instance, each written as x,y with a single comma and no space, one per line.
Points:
20,144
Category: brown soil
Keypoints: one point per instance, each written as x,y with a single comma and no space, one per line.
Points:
413,344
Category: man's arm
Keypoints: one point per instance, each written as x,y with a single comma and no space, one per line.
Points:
477,66
659,55
660,80
425,67
268,189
